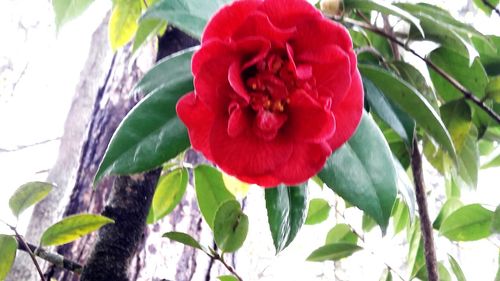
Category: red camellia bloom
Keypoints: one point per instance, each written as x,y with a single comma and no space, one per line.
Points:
276,91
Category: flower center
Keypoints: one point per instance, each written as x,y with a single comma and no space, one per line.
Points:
270,82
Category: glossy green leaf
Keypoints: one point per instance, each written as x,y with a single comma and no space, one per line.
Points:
495,222
8,249
183,238
333,252
384,8
189,16
150,134
457,270
286,212
230,226
227,278
168,194
399,121
400,215
362,172
167,73
146,29
66,10
490,57
412,102
450,206
341,233
28,195
210,192
469,223
486,9
72,228
123,22
472,77
318,211
457,117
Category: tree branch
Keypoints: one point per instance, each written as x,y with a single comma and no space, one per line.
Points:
425,222
21,241
220,258
55,259
465,92
493,8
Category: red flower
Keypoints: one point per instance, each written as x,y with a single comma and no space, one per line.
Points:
276,91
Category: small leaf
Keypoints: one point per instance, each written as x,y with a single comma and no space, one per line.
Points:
123,22
494,162
459,274
210,192
400,216
469,223
341,233
8,249
493,89
66,10
286,212
333,252
450,206
238,188
147,28
227,278
183,238
72,228
318,211
412,102
486,9
362,172
495,223
386,275
230,226
168,194
28,195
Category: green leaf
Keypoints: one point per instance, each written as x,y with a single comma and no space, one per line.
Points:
450,206
227,278
412,102
443,273
210,192
386,275
66,10
405,187
486,9
399,121
472,77
416,259
493,88
28,195
494,162
457,117
459,274
286,212
333,252
362,172
495,222
341,233
230,226
183,238
146,29
384,8
490,57
469,223
150,134
72,228
318,211
168,194
8,249
123,22
401,216
167,73
189,16
367,223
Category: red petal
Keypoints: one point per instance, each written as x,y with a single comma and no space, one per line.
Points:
246,154
238,121
236,82
267,124
306,161
308,121
210,50
318,32
258,24
264,181
198,120
228,19
331,69
348,113
254,47
285,13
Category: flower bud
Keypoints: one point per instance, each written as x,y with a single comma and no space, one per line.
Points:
331,7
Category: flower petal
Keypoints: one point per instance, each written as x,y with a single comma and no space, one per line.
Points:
264,180
286,13
246,154
198,119
318,32
210,50
348,113
258,24
238,122
267,124
228,19
308,120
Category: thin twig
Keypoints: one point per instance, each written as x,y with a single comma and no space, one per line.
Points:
425,222
493,8
25,245
465,92
229,267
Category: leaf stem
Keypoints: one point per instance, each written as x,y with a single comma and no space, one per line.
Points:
425,222
21,240
220,258
465,92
